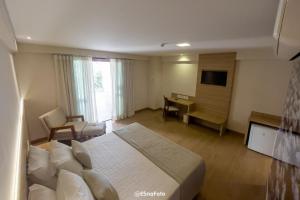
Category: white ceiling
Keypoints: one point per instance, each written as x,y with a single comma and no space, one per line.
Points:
140,26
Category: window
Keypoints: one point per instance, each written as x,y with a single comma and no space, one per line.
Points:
103,88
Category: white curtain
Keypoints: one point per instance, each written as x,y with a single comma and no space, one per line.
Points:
75,86
63,66
122,88
84,88
76,92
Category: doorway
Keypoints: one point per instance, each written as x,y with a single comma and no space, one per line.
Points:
103,89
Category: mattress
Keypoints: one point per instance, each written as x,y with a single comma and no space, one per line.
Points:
136,160
132,174
186,167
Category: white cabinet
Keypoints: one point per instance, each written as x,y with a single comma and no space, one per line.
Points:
262,139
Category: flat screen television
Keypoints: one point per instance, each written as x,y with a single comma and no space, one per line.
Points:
214,78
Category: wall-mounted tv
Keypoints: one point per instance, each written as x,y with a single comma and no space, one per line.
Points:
214,78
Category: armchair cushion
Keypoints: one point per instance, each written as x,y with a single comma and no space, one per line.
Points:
55,118
78,125
65,134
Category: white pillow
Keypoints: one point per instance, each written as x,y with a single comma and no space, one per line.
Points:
62,158
40,170
38,158
39,192
71,186
100,185
81,154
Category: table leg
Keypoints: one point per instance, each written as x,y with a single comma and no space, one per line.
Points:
186,119
221,129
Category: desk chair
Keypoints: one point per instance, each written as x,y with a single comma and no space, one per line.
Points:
168,108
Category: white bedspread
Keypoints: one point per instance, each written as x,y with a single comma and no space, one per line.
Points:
128,170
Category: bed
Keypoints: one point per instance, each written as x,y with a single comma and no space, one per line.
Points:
140,163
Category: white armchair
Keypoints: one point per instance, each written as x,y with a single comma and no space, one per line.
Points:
59,126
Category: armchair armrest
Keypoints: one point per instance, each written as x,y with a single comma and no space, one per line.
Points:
53,131
69,118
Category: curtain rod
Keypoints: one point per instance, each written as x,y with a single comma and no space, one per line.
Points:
93,57
99,58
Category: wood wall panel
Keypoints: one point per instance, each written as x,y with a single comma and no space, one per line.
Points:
210,98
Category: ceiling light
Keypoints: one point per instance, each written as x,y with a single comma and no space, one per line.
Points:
183,58
28,38
185,44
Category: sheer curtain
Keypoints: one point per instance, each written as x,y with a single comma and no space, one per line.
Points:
84,88
65,97
122,88
283,182
75,86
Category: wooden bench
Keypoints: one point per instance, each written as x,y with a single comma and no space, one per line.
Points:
218,120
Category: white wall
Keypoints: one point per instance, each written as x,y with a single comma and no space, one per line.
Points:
260,84
179,78
36,77
35,72
9,107
155,83
6,29
9,110
140,84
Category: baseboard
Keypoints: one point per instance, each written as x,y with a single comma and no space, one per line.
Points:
38,141
230,130
144,109
141,110
155,109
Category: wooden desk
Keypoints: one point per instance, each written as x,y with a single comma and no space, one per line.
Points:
183,102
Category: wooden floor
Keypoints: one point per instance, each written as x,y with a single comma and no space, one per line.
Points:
233,171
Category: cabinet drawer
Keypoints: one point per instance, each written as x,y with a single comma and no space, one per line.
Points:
262,139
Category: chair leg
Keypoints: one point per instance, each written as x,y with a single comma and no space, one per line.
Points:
165,115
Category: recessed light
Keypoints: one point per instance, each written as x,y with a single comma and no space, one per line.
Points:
184,44
28,38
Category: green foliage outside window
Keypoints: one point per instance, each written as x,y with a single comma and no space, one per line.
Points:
98,81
